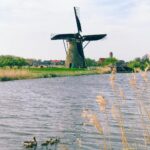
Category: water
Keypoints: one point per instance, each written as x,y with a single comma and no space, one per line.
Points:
52,107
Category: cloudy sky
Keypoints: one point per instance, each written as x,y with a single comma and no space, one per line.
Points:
26,26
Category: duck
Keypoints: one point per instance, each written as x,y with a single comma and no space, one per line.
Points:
46,143
31,143
54,141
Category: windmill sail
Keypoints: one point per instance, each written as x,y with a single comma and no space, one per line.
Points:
63,36
93,37
77,20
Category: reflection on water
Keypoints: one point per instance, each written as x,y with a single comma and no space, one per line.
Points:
52,107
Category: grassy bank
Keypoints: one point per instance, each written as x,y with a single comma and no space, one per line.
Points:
30,73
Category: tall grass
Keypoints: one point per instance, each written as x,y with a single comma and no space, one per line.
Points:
14,74
11,74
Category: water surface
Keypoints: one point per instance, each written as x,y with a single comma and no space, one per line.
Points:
52,107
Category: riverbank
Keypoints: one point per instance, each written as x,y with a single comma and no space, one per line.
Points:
32,73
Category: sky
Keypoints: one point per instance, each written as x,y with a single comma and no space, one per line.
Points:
26,27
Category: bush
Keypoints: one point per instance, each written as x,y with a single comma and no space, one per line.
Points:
138,63
12,61
90,62
108,61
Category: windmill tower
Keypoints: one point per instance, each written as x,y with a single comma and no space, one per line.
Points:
74,50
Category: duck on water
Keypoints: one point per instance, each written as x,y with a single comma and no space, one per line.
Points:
31,143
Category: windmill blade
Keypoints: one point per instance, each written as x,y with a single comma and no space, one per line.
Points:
93,37
63,36
77,20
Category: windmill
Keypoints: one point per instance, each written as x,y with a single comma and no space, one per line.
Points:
74,49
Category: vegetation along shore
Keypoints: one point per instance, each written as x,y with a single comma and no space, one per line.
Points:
15,68
31,73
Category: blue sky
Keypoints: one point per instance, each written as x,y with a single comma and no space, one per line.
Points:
26,26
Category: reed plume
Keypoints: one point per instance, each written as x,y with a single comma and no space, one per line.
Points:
114,70
147,137
102,105
144,76
133,80
112,77
79,142
64,147
144,73
93,120
116,114
101,102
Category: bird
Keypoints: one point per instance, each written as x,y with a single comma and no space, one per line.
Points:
31,143
54,141
46,143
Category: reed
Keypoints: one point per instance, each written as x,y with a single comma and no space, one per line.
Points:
64,147
144,76
133,80
112,79
102,103
122,95
117,113
103,70
10,74
92,119
142,108
27,73
116,107
79,143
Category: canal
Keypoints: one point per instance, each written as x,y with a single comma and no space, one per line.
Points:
52,108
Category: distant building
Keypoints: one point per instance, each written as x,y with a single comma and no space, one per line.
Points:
57,62
111,54
101,60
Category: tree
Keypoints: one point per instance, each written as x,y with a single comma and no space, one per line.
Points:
8,60
90,62
138,63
